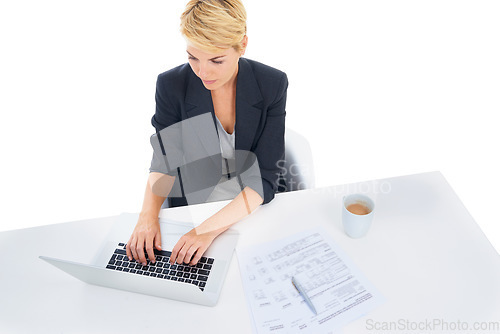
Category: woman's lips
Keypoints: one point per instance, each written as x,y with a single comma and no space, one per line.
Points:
209,82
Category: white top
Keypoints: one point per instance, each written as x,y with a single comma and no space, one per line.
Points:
228,186
226,141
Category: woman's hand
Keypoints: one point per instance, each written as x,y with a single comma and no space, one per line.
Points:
145,235
191,247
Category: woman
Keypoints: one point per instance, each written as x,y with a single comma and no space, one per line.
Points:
247,100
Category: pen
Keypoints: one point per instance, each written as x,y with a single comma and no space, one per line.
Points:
304,295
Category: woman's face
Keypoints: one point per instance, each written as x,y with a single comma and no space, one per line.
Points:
215,70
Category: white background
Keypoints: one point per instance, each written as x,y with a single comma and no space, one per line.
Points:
380,89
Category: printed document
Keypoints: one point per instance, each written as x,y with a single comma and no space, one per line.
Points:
337,289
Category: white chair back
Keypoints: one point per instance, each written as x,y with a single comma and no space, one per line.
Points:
298,167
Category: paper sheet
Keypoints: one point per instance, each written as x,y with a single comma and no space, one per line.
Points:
338,290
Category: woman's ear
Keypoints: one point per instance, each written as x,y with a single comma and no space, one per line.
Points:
244,43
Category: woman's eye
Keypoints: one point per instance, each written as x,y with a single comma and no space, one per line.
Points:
218,62
192,58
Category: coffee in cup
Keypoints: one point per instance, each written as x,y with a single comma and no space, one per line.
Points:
358,209
357,214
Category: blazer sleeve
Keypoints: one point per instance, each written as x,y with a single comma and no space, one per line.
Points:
166,112
270,148
165,115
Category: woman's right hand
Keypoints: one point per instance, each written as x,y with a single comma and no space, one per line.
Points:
146,235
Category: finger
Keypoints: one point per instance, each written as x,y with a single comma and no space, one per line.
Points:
189,254
158,240
133,245
127,249
199,253
182,254
176,249
196,258
149,249
140,251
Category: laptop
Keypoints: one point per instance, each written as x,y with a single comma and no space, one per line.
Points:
200,284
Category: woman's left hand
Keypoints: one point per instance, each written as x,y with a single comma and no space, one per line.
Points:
191,247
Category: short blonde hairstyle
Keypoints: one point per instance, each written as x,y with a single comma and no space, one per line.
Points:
214,25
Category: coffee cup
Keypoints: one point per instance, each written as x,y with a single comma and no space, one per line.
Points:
357,214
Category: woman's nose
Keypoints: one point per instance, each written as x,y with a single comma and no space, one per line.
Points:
202,71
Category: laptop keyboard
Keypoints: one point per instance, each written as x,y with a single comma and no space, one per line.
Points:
162,269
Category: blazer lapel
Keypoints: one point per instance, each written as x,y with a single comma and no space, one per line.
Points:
198,101
248,106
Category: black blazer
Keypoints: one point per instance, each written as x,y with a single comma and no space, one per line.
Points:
260,111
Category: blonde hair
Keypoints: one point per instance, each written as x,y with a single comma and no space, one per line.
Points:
214,25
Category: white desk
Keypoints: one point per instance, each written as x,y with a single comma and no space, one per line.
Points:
425,253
